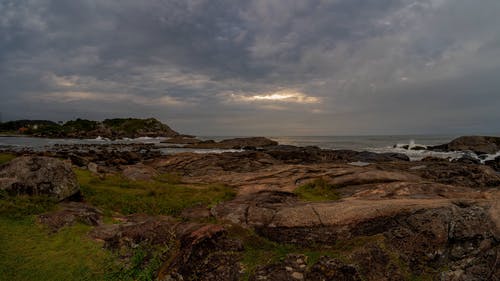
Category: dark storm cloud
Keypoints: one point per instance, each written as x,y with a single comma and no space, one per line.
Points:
256,67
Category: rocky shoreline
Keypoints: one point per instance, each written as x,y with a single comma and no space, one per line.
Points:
370,216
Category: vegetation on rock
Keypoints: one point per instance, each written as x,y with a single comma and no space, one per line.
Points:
82,128
6,157
317,190
164,196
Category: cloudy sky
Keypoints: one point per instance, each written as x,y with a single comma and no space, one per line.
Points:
263,67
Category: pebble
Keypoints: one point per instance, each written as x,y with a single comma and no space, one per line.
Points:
298,276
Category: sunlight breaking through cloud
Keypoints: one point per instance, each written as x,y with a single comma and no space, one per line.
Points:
284,96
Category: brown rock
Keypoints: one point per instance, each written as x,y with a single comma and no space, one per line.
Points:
332,269
236,143
291,268
375,264
139,172
70,213
477,144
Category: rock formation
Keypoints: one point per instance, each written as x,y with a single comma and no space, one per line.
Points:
236,143
477,144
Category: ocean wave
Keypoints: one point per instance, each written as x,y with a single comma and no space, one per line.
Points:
99,138
417,155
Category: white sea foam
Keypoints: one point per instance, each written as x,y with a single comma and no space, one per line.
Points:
487,158
416,155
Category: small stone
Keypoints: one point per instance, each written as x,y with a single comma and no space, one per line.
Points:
298,276
92,167
288,268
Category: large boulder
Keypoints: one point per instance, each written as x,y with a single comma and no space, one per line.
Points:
36,175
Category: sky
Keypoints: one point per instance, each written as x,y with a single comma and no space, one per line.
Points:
256,67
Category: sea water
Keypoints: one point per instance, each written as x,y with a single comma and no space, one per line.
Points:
379,144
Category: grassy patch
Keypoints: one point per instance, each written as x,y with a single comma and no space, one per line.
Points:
258,251
28,252
24,205
317,190
162,196
6,157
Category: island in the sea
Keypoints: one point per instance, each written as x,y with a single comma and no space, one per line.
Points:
82,128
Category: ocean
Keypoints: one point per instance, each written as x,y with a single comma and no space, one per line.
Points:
377,144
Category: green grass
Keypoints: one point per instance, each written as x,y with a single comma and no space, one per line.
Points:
258,251
6,157
164,196
28,252
317,190
22,206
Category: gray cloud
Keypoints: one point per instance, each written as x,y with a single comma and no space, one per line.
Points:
226,67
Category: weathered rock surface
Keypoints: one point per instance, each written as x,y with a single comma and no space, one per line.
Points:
193,164
139,172
294,267
254,171
311,154
467,159
34,175
460,174
70,213
495,163
106,155
477,144
434,217
195,250
424,233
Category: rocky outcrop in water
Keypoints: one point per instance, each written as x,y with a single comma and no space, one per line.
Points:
495,163
477,144
236,143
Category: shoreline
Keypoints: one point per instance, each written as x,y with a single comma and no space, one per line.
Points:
301,199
